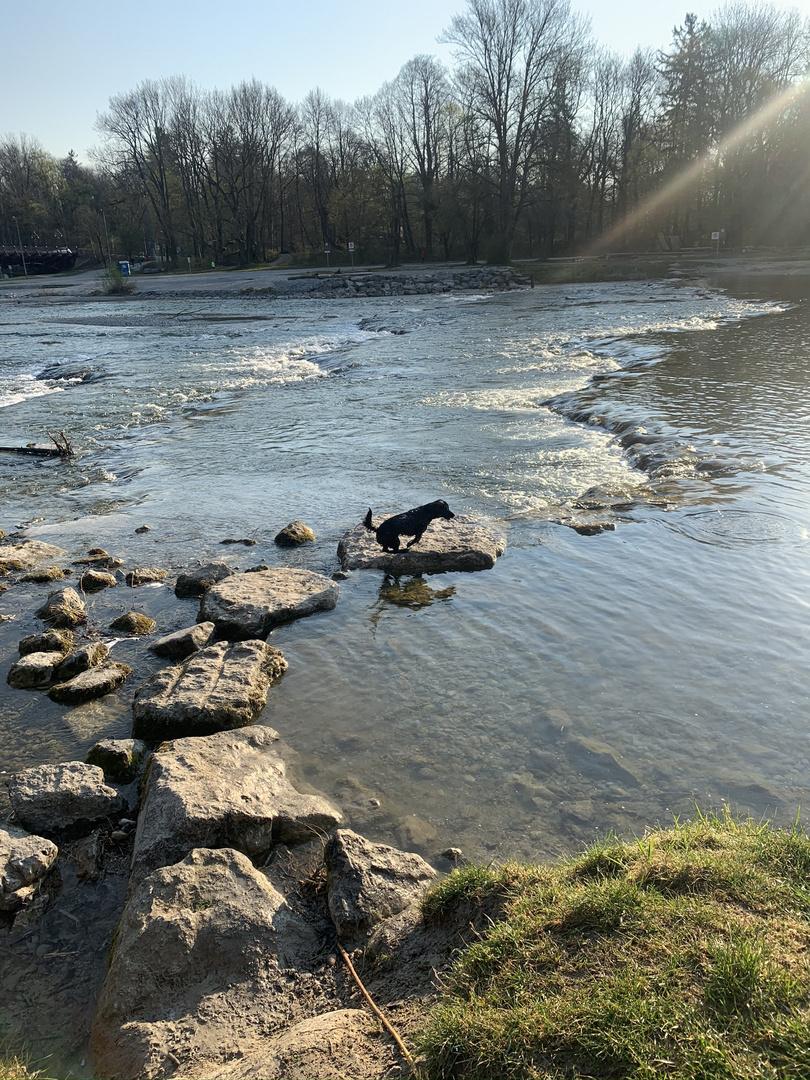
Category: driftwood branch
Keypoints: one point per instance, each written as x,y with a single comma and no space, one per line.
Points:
60,449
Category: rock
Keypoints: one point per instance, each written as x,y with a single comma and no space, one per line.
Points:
64,608
82,659
119,758
183,643
370,882
27,554
197,582
145,575
60,641
222,686
44,576
91,684
99,558
446,546
143,529
48,798
24,862
34,671
226,790
247,541
195,970
133,622
295,534
95,580
85,855
250,605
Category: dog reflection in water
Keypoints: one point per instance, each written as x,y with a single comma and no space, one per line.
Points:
411,523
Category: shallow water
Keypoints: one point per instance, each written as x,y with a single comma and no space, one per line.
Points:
586,683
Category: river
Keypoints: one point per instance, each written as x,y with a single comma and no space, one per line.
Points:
586,684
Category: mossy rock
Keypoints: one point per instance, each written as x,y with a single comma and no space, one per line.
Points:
133,622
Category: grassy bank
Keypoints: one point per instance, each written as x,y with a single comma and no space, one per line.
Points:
571,271
683,954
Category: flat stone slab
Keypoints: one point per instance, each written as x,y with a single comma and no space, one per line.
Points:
220,687
199,581
226,790
461,544
27,555
250,605
47,798
24,862
89,685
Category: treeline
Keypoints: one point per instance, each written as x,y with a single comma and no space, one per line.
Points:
536,143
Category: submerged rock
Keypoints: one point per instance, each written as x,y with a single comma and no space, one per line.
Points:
460,544
226,790
250,605
92,684
64,608
24,862
47,798
44,576
222,686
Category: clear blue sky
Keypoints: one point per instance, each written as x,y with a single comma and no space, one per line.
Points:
64,59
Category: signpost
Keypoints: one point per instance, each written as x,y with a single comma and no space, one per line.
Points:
351,251
327,248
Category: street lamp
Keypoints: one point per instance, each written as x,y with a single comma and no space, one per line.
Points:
19,242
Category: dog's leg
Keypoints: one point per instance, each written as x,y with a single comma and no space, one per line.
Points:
416,539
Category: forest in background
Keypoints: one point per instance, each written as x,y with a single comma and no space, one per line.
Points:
536,143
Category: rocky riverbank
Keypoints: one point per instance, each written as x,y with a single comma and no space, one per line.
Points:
232,904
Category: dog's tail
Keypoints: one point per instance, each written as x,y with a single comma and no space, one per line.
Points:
367,521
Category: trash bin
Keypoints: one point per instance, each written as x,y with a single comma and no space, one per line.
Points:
123,266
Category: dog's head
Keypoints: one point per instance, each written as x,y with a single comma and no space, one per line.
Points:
440,509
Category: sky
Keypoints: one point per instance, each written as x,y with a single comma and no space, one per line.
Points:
64,59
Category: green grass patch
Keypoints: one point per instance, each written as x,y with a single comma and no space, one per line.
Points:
684,953
115,283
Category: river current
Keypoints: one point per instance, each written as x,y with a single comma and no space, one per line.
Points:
587,683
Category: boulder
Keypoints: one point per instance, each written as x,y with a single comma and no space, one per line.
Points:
94,683
88,656
183,643
34,671
60,641
64,608
222,686
145,575
99,558
250,605
27,554
24,862
120,759
295,534
226,790
47,798
460,544
196,970
369,882
198,582
133,622
95,580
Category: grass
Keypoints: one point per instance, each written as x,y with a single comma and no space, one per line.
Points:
684,953
114,283
598,269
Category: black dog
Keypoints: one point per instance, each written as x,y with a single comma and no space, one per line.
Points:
411,523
